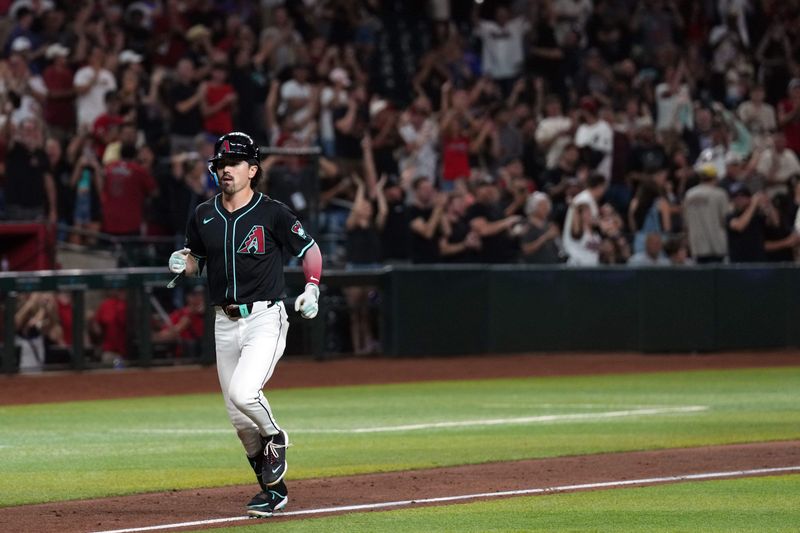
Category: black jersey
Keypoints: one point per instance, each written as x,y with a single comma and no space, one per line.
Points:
244,250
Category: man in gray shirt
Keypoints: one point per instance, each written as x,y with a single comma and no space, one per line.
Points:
705,208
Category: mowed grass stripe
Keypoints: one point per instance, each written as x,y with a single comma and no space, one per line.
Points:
93,450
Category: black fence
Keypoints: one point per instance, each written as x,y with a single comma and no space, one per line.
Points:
445,310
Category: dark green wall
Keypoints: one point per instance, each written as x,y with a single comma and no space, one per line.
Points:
482,309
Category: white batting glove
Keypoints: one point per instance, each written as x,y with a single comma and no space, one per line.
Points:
307,304
177,261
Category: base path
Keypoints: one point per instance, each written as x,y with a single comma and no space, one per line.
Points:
221,503
132,383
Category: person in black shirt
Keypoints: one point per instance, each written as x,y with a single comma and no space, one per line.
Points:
30,191
185,97
747,224
240,235
363,251
487,219
425,216
396,236
458,243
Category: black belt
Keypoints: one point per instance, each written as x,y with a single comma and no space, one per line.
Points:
242,310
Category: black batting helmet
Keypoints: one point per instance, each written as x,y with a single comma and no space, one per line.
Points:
236,145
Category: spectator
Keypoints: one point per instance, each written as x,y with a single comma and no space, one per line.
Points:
503,52
747,224
92,82
126,187
777,165
758,116
299,101
554,132
652,254
396,234
331,96
363,251
37,327
487,218
186,97
539,241
705,209
650,211
59,106
185,326
83,191
580,237
789,116
219,99
108,327
425,217
595,137
677,251
458,243
673,101
30,190
419,132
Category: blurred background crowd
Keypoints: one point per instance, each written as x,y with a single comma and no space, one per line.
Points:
586,132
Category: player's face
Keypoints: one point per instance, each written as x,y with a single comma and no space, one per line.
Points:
234,175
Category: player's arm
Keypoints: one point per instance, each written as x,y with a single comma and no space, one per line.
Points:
307,304
187,260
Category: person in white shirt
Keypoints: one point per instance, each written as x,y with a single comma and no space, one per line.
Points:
597,135
554,131
503,54
653,253
758,116
777,164
332,96
92,82
581,242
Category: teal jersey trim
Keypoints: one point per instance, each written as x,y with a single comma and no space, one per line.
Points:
225,255
233,243
307,246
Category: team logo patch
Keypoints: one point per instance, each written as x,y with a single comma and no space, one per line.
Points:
254,243
297,228
226,146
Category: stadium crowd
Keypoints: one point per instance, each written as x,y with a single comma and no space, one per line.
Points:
646,132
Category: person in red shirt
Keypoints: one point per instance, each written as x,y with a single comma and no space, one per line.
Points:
455,151
126,187
220,100
109,327
186,325
789,116
59,107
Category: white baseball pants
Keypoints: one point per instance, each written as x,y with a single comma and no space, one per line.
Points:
247,351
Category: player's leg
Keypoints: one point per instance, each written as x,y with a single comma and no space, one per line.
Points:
263,336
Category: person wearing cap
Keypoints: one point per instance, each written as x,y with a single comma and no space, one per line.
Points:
705,210
595,137
746,224
488,219
92,82
59,106
220,98
240,237
333,94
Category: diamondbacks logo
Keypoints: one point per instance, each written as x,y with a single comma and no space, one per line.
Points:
254,243
226,146
297,228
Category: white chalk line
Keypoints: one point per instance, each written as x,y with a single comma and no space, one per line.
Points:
568,417
480,495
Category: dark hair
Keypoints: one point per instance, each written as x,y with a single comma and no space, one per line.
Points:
595,180
418,180
127,152
257,177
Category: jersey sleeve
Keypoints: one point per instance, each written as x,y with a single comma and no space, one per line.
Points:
290,232
193,241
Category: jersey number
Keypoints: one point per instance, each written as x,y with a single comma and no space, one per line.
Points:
254,243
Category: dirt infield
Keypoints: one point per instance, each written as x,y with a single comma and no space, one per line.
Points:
205,504
132,383
215,503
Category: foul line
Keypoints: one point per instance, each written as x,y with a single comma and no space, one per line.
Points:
522,492
463,423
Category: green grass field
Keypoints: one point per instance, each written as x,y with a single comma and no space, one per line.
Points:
93,449
769,504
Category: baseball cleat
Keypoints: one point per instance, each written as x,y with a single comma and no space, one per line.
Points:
264,504
274,466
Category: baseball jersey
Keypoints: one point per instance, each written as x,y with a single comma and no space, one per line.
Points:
243,251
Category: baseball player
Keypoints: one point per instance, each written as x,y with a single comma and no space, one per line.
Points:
239,237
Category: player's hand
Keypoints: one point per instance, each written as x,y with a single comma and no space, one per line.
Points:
177,261
307,304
